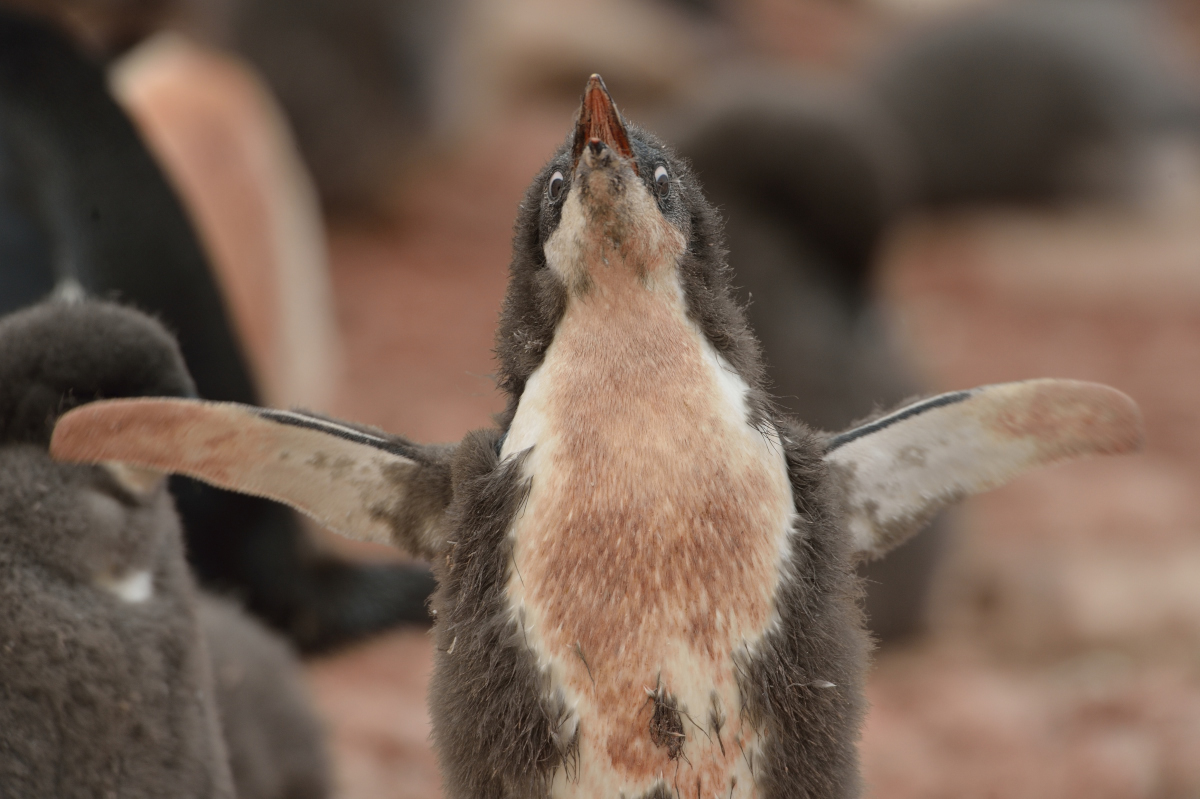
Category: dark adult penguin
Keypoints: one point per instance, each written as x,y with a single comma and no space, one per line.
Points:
1036,100
647,579
357,79
83,202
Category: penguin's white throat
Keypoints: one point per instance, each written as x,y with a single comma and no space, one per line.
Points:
611,231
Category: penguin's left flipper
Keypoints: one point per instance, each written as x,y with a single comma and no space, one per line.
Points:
361,483
897,471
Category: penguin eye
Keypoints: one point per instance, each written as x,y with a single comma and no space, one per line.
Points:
662,181
555,188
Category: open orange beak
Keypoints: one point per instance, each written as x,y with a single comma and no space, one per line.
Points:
599,121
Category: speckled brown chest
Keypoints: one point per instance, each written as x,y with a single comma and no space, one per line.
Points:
647,555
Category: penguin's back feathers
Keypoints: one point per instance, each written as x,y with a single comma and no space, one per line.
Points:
106,686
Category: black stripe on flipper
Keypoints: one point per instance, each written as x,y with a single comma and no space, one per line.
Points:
915,409
296,419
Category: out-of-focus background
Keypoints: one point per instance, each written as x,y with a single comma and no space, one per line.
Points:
922,195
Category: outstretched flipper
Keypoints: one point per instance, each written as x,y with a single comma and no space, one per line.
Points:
899,470
363,484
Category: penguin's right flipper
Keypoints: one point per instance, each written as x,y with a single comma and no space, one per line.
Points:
899,470
362,484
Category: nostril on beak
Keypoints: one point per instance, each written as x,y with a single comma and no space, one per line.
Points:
595,145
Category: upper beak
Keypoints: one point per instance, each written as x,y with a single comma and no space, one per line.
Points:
599,121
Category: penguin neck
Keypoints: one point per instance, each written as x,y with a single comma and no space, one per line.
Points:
625,343
615,246
624,352
630,367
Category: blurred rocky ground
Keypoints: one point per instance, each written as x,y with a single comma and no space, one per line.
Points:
1064,658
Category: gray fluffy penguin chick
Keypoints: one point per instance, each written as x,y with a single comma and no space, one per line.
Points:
1035,100
646,572
106,686
276,743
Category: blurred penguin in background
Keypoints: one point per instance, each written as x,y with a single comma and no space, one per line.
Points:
358,80
1036,101
809,177
107,684
84,205
119,677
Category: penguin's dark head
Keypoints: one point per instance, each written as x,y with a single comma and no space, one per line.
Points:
615,209
101,524
61,354
610,209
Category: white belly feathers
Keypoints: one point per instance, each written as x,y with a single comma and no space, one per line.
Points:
649,551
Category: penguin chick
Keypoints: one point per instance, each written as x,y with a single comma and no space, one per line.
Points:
646,573
103,645
276,743
107,686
